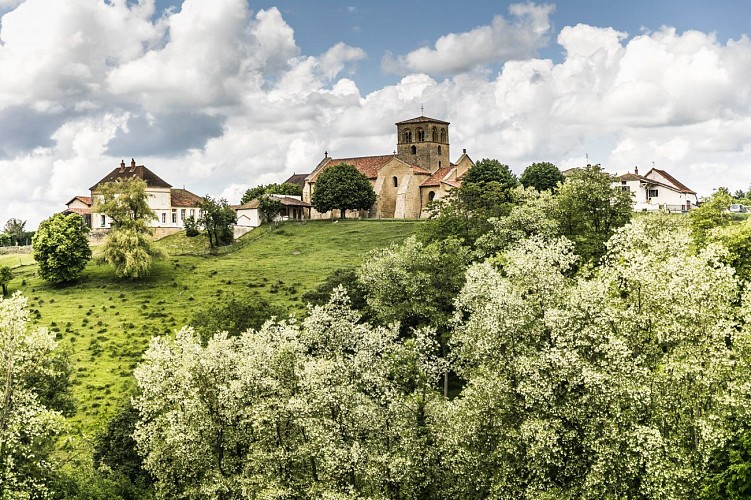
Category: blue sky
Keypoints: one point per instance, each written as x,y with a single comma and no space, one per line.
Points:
223,95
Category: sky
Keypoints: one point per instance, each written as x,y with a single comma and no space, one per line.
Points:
218,96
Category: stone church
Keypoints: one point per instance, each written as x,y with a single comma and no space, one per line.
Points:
406,181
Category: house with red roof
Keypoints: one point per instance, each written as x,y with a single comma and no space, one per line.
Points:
405,182
173,206
657,190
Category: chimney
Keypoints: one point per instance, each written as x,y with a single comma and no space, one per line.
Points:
132,165
122,166
464,151
636,170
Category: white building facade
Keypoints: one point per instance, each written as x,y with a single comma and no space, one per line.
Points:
657,190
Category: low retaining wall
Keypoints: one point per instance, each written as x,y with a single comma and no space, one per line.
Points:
10,250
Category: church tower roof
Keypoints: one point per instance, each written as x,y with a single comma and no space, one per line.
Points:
422,119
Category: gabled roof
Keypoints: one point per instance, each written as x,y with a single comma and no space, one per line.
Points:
422,119
367,165
79,211
127,172
438,177
297,179
83,199
679,185
184,198
631,177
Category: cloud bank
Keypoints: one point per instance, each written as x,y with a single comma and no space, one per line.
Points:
218,98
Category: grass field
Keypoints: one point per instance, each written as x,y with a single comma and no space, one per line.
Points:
16,260
107,322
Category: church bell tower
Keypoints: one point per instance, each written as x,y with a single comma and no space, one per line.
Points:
424,142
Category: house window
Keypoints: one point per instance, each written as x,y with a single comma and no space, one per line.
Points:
625,188
413,149
164,218
174,216
192,213
104,220
651,193
182,214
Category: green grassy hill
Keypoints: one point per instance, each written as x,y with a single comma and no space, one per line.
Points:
107,322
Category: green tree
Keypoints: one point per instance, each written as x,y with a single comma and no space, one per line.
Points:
711,214
15,229
61,247
269,208
590,209
6,274
342,187
129,247
217,217
488,191
283,188
28,428
191,227
542,176
346,278
234,315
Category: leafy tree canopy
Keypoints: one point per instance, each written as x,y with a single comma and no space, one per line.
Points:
542,176
711,214
129,247
6,274
15,229
269,208
234,315
342,187
490,170
283,188
61,247
217,217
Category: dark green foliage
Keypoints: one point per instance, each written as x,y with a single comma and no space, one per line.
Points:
488,171
283,188
269,208
730,471
53,386
589,210
217,217
234,315
486,191
342,187
61,248
6,274
191,227
116,448
347,278
542,176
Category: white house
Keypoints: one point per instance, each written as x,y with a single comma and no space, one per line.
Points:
657,190
171,205
293,208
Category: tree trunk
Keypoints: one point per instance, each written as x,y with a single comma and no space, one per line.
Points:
5,289
342,213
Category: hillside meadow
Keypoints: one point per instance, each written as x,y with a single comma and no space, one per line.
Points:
106,322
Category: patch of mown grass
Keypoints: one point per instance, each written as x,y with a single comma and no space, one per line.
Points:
108,321
16,260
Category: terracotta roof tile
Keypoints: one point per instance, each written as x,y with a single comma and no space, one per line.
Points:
367,165
83,199
126,172
184,198
630,177
79,211
437,177
681,187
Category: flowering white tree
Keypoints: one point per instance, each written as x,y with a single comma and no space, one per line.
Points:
619,384
27,426
331,408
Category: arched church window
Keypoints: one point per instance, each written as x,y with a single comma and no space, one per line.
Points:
408,135
396,181
443,135
413,149
431,196
435,135
439,163
420,135
439,149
